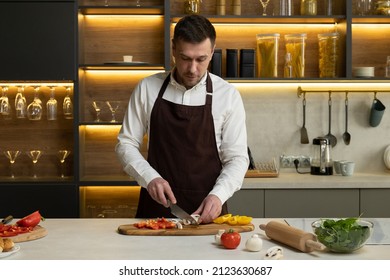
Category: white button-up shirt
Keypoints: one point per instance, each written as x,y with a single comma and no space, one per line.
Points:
229,122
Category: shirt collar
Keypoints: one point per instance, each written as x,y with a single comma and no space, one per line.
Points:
179,86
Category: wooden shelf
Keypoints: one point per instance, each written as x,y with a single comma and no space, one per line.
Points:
122,67
371,19
121,10
269,19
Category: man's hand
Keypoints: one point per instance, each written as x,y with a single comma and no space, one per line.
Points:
209,209
160,190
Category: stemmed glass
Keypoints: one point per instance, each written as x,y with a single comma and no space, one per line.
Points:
4,102
97,105
264,3
34,109
138,3
114,106
62,155
20,104
51,106
67,105
12,155
34,155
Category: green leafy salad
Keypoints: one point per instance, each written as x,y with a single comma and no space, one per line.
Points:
343,235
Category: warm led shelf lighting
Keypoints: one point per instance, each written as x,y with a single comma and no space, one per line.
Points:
33,84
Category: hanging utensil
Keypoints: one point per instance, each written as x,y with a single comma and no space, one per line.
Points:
304,136
346,135
330,136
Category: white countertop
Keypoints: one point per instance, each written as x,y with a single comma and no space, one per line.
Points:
293,180
97,239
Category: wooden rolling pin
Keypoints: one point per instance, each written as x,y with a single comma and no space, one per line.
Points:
296,238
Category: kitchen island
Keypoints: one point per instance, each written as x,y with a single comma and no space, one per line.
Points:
98,239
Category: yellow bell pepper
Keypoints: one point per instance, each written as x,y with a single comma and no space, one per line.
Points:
233,220
222,219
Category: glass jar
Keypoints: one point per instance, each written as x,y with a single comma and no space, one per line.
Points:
308,7
267,55
328,44
192,6
382,8
295,45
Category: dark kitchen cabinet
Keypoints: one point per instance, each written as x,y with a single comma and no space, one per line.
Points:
53,201
38,40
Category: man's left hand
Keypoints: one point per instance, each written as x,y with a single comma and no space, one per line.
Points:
209,209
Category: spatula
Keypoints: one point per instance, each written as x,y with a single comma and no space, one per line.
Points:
304,136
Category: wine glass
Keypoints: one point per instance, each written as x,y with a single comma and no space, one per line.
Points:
5,109
97,105
106,3
34,109
20,104
67,105
34,155
62,155
114,106
264,3
51,106
138,4
12,155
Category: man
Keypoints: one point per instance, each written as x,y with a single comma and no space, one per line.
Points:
195,121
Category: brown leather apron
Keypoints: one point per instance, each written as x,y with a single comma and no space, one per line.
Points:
183,149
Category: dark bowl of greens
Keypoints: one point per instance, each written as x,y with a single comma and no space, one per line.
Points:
343,235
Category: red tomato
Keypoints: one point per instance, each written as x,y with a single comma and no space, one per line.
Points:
31,220
230,239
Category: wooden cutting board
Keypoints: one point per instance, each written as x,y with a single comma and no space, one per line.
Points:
36,233
207,229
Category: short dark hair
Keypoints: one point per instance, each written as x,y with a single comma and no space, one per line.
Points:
194,29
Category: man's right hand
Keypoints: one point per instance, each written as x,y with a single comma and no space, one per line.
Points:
160,190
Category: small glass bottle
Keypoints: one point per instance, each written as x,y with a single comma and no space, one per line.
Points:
387,74
192,6
308,7
328,7
288,70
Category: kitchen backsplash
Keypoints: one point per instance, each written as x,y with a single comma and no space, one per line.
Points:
274,120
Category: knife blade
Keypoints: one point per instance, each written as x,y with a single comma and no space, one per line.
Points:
181,214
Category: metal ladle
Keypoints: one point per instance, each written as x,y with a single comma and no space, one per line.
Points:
346,135
330,136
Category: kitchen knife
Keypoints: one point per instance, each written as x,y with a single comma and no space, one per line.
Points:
181,214
6,220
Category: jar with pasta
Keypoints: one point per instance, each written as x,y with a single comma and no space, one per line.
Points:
328,44
295,45
267,55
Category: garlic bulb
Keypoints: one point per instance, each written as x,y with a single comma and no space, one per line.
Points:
217,237
254,244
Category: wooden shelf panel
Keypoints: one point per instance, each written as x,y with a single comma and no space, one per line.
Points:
122,67
121,10
270,19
